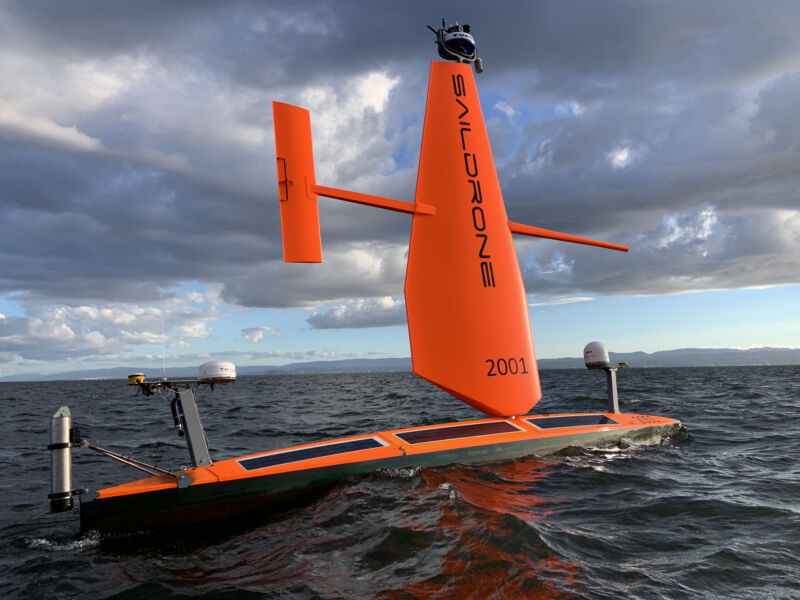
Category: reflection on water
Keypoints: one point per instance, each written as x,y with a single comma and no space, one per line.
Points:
495,553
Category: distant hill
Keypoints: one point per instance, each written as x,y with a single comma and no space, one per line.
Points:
687,357
352,365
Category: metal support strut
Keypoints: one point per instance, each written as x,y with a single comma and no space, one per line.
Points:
596,356
187,420
611,384
63,437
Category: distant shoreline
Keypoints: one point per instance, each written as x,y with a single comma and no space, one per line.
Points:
687,357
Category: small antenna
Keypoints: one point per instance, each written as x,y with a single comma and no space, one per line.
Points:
163,342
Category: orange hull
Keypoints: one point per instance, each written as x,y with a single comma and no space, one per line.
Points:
239,485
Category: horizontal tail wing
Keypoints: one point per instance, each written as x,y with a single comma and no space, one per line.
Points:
562,237
296,182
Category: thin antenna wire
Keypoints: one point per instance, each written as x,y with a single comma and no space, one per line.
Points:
163,342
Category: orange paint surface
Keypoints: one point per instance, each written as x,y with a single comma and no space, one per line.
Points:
295,163
379,201
230,469
563,237
467,310
465,300
140,486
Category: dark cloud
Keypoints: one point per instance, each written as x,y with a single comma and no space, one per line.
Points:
109,229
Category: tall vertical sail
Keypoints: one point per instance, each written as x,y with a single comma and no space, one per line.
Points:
467,311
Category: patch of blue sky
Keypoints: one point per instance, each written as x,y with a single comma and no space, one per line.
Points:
189,290
288,335
376,342
9,308
740,318
521,112
406,155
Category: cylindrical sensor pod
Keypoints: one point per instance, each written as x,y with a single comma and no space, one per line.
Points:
61,461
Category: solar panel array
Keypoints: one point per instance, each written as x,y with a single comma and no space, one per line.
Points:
281,458
570,421
438,434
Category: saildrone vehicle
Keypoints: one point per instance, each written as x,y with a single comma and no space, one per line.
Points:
468,326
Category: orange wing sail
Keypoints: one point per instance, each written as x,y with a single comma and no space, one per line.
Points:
295,161
467,311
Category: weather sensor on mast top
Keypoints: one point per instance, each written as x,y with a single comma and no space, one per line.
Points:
456,43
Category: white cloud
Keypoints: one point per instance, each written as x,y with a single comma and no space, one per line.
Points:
539,159
250,355
53,332
317,354
505,108
374,89
553,266
195,330
562,301
619,157
570,108
686,229
360,312
360,269
348,123
255,335
44,129
625,154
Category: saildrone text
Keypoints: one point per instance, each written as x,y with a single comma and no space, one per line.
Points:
471,171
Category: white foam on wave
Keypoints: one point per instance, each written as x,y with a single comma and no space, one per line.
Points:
451,490
402,472
89,540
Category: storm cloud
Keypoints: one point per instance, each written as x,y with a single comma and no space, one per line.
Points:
136,152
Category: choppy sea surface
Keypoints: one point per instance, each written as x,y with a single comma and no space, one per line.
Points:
711,512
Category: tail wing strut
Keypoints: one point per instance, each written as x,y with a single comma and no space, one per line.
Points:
532,231
379,201
298,190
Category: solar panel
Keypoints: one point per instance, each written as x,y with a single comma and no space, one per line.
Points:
290,456
570,421
438,434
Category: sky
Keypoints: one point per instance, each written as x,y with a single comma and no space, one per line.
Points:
138,185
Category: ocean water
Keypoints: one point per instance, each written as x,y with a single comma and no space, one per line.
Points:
711,512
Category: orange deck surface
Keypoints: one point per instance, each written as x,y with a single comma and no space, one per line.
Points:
230,469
